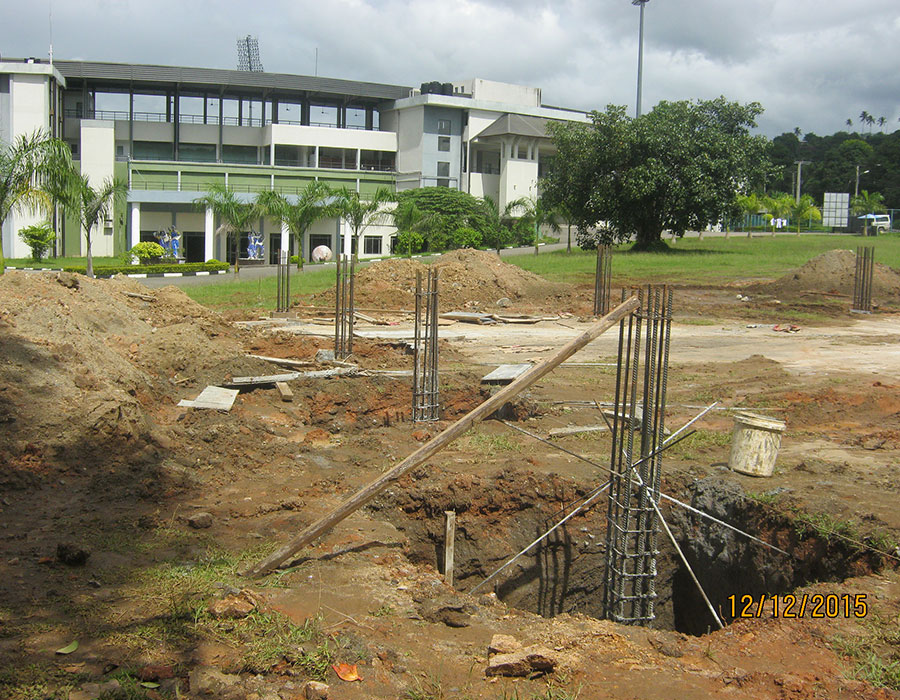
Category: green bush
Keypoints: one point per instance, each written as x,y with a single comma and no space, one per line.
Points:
110,270
147,250
465,237
39,238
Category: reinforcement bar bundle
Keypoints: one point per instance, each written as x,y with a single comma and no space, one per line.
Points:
635,461
344,307
862,279
426,405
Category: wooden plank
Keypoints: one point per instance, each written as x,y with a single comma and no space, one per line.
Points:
469,317
441,440
263,380
504,374
214,397
449,545
285,391
145,297
284,362
576,429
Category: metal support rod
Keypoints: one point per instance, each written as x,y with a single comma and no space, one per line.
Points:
449,545
425,349
602,279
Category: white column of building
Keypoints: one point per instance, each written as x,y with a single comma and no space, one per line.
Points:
286,237
135,224
209,233
316,163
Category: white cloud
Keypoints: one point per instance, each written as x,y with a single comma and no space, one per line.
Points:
811,64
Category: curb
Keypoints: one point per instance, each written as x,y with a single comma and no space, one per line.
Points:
138,275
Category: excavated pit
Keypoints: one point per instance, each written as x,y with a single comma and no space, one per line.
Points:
499,516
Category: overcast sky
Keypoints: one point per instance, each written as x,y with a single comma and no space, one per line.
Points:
811,63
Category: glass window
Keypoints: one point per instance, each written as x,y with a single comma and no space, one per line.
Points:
443,143
443,168
443,126
372,245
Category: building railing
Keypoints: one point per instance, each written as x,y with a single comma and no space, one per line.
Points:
147,185
209,120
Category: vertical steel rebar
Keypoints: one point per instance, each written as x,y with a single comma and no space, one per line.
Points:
632,513
862,279
426,400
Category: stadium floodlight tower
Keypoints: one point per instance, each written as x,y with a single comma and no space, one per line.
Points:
641,3
248,54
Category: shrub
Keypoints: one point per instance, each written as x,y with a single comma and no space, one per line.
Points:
465,237
110,270
147,250
39,238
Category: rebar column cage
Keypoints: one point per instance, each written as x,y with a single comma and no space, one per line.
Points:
602,278
862,279
635,461
283,302
426,401
344,307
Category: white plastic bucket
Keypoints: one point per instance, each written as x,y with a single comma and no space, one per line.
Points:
754,444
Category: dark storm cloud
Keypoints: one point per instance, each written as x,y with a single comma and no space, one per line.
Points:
811,64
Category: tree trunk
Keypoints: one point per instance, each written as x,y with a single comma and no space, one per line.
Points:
569,239
649,238
89,270
536,237
299,239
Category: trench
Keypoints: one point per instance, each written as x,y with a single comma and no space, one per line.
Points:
565,572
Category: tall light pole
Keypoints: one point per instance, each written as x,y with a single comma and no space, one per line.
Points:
637,111
856,189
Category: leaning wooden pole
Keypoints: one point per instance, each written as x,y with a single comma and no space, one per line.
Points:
440,441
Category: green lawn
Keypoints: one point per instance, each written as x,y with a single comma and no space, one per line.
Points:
706,261
259,293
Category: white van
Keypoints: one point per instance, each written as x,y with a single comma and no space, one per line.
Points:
877,223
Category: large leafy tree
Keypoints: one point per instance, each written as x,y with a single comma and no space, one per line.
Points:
675,168
29,169
449,210
313,203
236,215
360,213
92,205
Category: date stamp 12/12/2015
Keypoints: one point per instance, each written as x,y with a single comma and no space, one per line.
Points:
804,605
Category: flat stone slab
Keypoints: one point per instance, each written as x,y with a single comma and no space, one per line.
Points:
215,397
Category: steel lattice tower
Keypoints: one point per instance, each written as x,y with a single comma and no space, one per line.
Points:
248,54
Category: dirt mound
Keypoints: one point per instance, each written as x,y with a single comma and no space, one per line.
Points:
468,279
833,272
83,363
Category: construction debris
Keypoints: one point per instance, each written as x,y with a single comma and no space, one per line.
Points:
504,374
214,397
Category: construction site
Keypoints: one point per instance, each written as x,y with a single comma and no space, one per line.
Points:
453,480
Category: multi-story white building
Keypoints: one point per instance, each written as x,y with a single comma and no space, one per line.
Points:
171,131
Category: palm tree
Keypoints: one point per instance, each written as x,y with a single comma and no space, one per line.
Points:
499,222
565,214
866,203
881,121
864,117
750,204
312,204
27,166
361,213
92,205
805,209
409,221
850,123
541,214
235,214
870,120
779,206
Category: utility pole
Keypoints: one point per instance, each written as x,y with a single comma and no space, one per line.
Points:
640,75
800,164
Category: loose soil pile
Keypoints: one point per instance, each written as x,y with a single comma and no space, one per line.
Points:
833,272
82,364
469,279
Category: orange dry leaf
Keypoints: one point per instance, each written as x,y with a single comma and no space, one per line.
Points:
347,672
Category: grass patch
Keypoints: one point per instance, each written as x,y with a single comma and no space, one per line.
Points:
709,261
492,444
875,654
59,263
825,525
259,293
701,442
